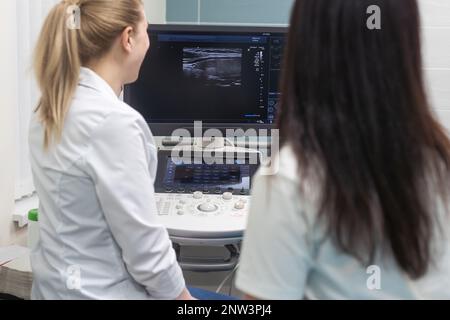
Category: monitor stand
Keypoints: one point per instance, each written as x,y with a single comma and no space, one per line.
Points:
202,143
212,144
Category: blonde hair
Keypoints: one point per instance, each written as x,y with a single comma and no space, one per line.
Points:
62,50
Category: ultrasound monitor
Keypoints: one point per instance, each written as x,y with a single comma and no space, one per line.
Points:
226,77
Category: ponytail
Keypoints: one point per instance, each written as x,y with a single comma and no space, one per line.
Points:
57,67
62,50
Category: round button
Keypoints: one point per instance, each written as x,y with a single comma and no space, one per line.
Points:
182,201
198,195
227,196
208,207
239,205
179,206
180,212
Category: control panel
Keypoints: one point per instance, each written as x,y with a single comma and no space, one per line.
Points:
201,215
199,200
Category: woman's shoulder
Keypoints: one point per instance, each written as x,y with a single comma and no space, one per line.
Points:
123,119
98,117
283,165
287,176
286,191
129,112
289,167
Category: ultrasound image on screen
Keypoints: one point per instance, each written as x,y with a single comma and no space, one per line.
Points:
219,67
213,76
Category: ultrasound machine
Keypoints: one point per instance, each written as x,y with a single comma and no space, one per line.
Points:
227,78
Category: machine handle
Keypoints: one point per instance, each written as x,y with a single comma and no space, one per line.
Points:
209,266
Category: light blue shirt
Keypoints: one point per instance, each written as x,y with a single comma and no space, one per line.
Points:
285,254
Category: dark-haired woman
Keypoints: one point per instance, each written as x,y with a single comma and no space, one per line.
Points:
359,207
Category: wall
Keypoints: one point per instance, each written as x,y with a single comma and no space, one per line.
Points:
156,11
229,11
436,36
435,23
8,103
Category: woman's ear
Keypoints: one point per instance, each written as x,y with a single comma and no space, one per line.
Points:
127,39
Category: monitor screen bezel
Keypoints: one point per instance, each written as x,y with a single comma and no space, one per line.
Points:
167,128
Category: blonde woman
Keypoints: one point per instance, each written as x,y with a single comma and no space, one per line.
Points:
94,161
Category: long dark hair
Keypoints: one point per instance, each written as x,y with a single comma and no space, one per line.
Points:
354,102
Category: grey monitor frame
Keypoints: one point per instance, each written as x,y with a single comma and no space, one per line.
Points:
166,129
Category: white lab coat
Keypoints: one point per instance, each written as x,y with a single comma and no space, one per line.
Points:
99,234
